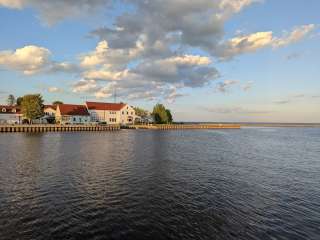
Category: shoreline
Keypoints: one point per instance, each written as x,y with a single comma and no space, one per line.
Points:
186,126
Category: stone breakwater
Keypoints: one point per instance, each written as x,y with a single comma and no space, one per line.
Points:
57,128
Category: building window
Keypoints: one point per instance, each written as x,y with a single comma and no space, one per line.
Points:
4,110
74,119
122,112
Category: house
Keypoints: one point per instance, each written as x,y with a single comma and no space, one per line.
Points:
72,114
49,113
111,113
10,115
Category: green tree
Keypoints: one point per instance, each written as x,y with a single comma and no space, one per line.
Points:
57,102
19,101
159,114
11,100
170,119
32,107
141,112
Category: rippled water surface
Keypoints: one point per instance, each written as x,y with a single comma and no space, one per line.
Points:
254,183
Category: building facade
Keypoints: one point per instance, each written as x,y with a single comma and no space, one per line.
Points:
72,114
10,115
49,114
111,113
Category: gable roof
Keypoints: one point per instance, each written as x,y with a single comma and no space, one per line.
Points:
105,106
73,110
10,109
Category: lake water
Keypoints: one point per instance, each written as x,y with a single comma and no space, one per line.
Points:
254,183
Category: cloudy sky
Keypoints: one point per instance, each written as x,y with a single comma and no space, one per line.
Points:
207,60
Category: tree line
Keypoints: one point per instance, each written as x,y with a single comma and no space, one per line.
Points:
160,114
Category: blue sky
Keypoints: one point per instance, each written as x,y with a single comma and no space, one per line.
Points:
231,60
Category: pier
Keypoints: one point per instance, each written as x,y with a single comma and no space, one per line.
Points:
56,128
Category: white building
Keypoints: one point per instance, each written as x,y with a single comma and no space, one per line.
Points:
49,114
10,115
111,113
72,114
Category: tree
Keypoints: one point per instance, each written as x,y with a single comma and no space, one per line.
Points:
19,101
11,100
159,114
141,112
170,120
57,102
32,107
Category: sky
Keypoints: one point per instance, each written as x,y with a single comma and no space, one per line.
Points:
206,60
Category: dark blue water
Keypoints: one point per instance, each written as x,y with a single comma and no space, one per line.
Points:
254,183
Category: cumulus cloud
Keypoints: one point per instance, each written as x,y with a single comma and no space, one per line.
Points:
85,86
29,59
253,42
33,59
146,52
52,11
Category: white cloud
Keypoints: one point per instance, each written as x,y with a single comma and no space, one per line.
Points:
29,59
34,59
147,51
253,42
105,92
111,58
296,35
52,11
84,86
107,75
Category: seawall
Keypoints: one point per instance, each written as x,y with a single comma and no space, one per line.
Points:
57,128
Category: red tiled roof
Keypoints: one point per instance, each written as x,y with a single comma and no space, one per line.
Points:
73,110
9,109
105,106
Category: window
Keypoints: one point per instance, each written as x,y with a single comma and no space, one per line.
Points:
122,112
74,119
4,110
